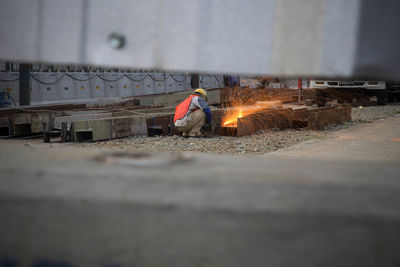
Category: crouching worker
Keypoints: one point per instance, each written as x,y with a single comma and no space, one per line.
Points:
192,114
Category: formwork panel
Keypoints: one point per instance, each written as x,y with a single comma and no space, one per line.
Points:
220,81
137,84
97,86
148,85
9,82
214,82
180,81
66,88
124,87
209,81
82,85
170,84
175,82
205,81
48,86
202,81
111,84
159,83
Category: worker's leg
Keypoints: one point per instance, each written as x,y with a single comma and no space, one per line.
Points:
193,124
197,120
186,132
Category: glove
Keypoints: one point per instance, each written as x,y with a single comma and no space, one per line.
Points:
207,111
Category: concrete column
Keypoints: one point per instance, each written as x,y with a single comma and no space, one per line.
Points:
24,84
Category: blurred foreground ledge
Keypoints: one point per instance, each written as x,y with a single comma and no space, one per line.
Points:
83,207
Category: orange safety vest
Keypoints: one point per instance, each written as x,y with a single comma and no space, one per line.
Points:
183,108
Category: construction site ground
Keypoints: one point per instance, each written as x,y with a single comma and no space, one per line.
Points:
260,143
367,142
334,198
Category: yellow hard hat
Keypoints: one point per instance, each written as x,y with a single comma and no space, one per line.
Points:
201,91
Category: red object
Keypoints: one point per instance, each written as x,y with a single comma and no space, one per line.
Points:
300,84
182,108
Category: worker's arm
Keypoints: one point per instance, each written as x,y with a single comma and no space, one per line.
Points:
207,111
201,103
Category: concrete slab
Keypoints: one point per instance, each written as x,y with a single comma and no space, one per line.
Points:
82,207
73,118
109,127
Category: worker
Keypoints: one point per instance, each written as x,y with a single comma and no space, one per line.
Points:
192,114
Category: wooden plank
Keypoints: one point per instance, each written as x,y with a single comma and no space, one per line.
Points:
120,127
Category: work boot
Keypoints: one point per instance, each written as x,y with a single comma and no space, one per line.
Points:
185,134
197,134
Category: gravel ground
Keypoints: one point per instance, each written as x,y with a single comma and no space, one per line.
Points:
372,113
262,142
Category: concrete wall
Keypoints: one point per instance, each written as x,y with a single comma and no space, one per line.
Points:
66,86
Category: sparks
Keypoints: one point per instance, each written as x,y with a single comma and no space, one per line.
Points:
241,111
233,119
229,122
